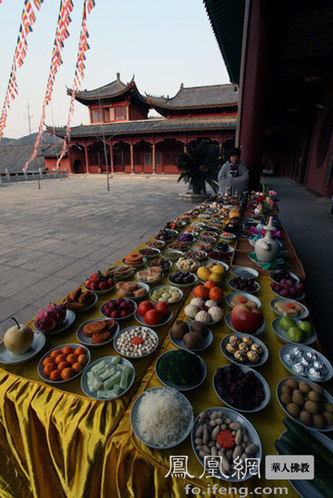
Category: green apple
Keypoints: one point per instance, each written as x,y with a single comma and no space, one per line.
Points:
295,334
286,322
307,328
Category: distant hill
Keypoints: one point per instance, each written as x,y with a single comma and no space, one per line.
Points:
15,152
46,138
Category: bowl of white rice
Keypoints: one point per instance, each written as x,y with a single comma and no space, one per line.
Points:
162,417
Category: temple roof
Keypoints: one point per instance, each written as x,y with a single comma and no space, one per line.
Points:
111,91
149,126
197,97
227,20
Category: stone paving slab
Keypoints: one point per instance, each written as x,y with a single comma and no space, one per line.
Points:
55,237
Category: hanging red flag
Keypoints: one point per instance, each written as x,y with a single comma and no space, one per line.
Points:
79,74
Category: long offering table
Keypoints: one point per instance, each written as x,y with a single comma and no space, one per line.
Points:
56,442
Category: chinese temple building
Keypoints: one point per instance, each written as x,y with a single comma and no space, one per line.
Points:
122,138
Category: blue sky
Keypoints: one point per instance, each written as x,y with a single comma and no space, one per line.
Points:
164,43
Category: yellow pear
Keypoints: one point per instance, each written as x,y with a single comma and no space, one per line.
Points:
203,273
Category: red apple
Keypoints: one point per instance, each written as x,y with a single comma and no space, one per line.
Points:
247,320
153,317
145,306
163,308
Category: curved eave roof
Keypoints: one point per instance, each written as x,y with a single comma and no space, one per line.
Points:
227,20
149,126
111,91
196,98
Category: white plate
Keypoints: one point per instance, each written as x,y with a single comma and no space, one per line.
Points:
162,246
184,387
82,310
203,254
174,252
128,329
107,359
230,237
181,294
158,279
266,389
304,487
8,358
205,344
296,419
304,314
140,284
283,334
139,318
249,292
249,297
236,270
61,381
227,320
235,417
291,274
300,298
122,317
263,358
287,348
143,262
166,268
68,321
157,253
134,424
86,341
173,233
183,285
122,277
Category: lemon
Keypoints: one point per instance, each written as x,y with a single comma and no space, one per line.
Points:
203,273
218,269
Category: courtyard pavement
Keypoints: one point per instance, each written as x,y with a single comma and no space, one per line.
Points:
52,239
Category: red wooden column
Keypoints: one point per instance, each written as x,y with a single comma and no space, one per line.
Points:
86,157
132,157
253,84
111,156
153,148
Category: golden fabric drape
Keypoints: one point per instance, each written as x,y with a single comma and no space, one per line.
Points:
57,443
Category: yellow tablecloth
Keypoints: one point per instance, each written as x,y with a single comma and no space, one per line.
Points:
58,443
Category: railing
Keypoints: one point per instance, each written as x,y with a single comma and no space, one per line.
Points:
8,177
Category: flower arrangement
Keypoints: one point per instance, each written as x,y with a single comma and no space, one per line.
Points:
264,203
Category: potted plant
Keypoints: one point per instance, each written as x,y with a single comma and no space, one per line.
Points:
199,166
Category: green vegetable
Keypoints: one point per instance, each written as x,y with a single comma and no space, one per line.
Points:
180,367
306,439
322,482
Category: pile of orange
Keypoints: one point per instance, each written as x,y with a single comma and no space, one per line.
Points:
62,364
208,291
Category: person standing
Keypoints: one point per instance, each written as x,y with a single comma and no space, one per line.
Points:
233,176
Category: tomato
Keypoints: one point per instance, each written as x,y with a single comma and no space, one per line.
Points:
144,307
163,308
94,277
103,285
153,317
